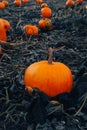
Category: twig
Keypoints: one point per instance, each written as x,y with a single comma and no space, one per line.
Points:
5,55
79,110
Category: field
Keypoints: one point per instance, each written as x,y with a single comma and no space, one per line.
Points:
68,38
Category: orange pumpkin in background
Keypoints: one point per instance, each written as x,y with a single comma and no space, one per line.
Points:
3,36
2,6
4,27
46,12
25,1
35,30
45,24
79,1
43,5
17,3
39,1
31,29
70,3
52,78
5,2
6,24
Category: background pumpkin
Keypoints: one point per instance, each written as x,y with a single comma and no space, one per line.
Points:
52,78
3,36
79,1
6,24
31,29
70,3
45,24
5,2
2,6
17,2
46,12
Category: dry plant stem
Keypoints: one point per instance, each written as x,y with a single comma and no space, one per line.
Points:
50,50
7,96
85,99
62,107
5,55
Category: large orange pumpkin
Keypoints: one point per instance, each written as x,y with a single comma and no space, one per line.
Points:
52,78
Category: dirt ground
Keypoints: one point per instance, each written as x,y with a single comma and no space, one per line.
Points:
69,41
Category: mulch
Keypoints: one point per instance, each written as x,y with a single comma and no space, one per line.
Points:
19,110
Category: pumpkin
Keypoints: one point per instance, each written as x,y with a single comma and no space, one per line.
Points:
25,1
2,6
35,30
46,12
6,24
45,24
79,1
50,77
43,5
3,36
5,2
39,1
17,2
70,3
31,30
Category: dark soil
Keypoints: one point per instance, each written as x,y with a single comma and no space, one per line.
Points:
20,111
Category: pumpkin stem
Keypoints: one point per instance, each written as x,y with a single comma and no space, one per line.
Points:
50,59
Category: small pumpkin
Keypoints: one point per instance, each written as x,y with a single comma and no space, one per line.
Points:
46,12
17,3
70,3
43,5
45,24
25,1
79,1
50,77
35,30
39,1
5,2
31,29
2,6
3,36
6,24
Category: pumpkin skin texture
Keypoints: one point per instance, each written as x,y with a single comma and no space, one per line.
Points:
52,79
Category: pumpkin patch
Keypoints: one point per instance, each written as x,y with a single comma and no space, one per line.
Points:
43,66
